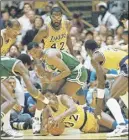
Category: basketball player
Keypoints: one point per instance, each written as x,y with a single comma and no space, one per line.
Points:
63,109
10,67
8,35
56,33
68,67
110,59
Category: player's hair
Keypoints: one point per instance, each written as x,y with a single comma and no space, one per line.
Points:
91,45
12,23
25,59
89,33
32,45
56,9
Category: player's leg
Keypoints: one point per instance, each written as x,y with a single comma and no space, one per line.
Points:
119,87
9,103
75,82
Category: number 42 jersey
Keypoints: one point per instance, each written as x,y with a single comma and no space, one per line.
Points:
57,38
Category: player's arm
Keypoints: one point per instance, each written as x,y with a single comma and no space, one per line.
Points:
42,74
53,59
70,104
45,118
42,33
20,68
69,41
96,60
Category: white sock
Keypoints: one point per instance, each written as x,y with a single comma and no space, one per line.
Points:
38,113
115,109
6,121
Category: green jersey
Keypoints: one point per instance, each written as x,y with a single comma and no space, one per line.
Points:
78,71
7,65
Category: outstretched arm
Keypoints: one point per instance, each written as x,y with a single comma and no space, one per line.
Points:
97,58
20,68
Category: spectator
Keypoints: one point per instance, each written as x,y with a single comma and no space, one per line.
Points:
13,12
98,40
119,32
13,51
5,18
106,18
77,22
110,40
25,19
89,35
30,34
124,19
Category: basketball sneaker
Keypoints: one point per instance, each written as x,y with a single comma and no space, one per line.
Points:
36,126
121,130
10,133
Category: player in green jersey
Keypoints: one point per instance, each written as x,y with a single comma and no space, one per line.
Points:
66,65
15,67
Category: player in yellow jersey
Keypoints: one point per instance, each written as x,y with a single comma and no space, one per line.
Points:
63,108
110,59
8,35
56,33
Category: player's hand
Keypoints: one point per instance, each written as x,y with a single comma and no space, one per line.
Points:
97,113
55,121
44,131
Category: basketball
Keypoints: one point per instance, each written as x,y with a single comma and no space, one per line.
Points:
56,131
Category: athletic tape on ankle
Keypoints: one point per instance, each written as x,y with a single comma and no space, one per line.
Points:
100,93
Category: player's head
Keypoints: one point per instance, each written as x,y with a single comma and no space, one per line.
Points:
26,60
56,16
34,50
13,28
91,46
53,101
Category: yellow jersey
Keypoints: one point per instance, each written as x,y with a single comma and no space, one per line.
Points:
56,38
112,58
80,120
5,45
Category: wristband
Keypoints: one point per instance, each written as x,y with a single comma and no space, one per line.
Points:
100,93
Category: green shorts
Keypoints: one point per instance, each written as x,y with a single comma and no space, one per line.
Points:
7,65
78,75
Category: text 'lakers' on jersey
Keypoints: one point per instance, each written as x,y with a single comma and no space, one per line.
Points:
112,58
56,38
5,45
76,120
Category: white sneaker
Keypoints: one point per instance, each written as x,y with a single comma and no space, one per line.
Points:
36,126
13,133
120,130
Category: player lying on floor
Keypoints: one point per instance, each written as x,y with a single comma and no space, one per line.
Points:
64,109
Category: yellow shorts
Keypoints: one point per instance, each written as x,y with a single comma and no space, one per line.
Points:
91,125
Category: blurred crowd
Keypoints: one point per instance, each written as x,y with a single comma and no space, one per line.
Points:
111,32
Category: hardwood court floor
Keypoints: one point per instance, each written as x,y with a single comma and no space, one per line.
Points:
70,134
